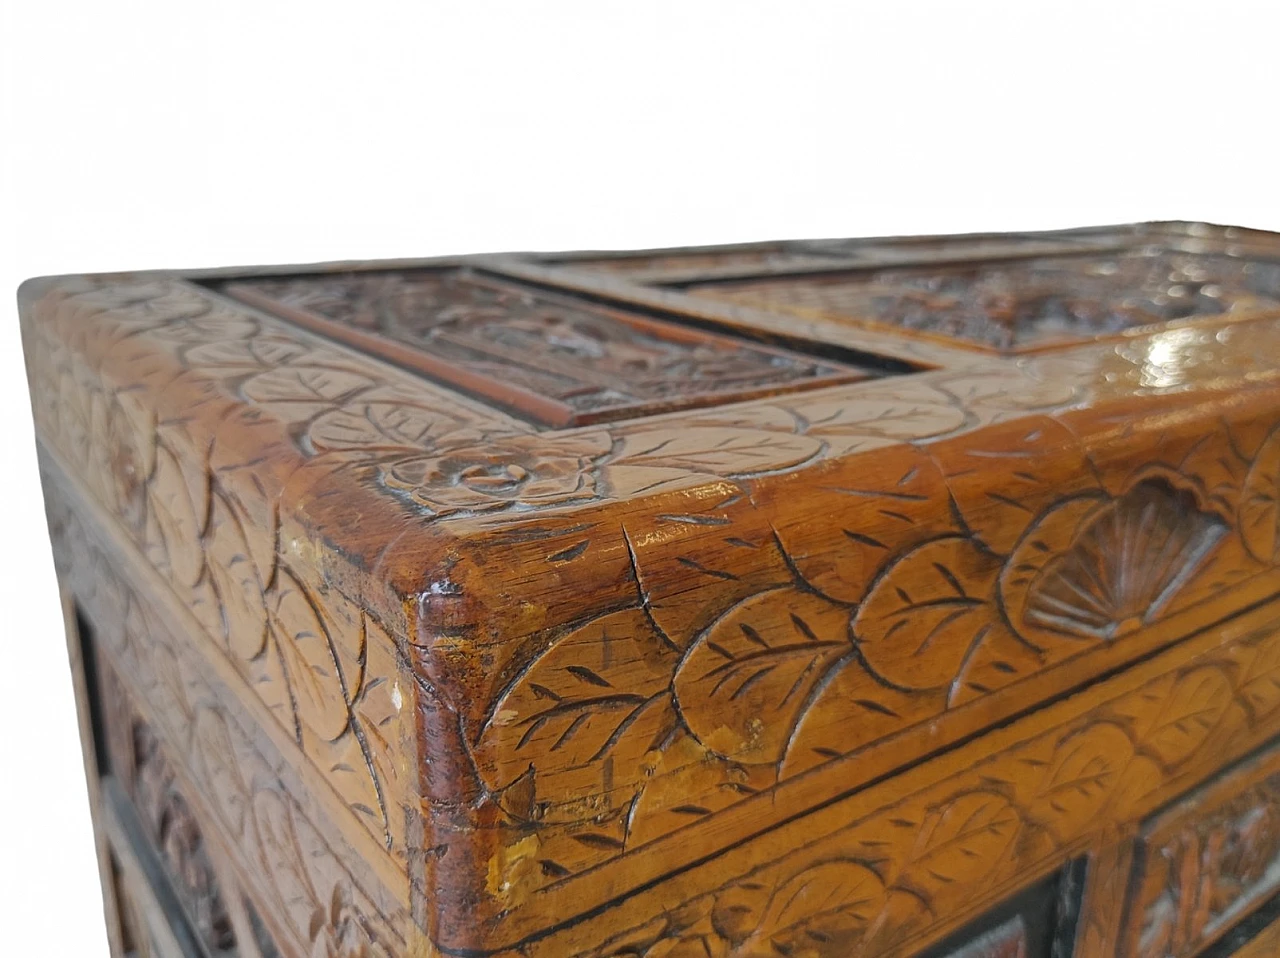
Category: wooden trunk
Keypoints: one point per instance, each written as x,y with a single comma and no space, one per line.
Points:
806,599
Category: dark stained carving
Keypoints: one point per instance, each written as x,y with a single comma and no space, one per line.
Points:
1205,865
141,766
1023,304
177,836
557,360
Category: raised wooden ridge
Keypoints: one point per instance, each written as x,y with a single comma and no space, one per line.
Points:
541,678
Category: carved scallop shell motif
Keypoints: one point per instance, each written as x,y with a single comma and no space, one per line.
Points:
1097,567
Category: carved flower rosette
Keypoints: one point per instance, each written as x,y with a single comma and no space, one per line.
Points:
522,469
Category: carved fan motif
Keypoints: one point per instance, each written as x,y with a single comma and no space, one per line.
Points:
1127,559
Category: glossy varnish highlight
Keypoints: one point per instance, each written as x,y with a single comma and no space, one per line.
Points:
624,604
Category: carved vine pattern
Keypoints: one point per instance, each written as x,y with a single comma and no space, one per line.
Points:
322,665
944,621
882,878
998,604
284,849
198,511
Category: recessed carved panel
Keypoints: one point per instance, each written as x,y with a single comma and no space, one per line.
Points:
549,357
1021,305
845,671
170,826
1208,862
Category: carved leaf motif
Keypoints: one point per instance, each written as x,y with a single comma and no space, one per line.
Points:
379,708
730,452
597,701
246,356
170,688
1260,682
268,675
1176,715
189,318
848,709
997,661
759,659
178,519
1016,471
829,903
687,768
307,389
1260,503
751,415
235,578
1034,386
927,611
340,931
1080,777
352,777
325,913
217,757
872,512
870,421
282,857
739,909
395,426
967,839
695,562
309,660
253,506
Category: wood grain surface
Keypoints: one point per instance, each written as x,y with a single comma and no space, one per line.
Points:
805,598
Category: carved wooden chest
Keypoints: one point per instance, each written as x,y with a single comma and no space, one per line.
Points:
805,599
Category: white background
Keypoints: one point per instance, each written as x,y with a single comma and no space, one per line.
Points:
149,134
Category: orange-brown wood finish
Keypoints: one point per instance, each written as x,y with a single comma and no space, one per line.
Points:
877,597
